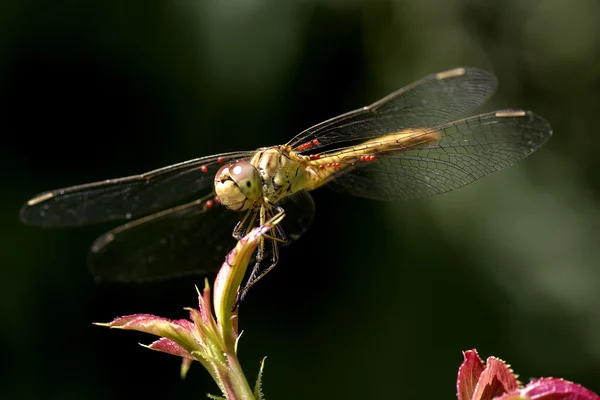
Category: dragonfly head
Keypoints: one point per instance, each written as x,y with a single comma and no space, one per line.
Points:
238,185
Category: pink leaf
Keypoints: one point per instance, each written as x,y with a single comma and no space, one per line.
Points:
170,347
180,331
468,374
496,379
147,323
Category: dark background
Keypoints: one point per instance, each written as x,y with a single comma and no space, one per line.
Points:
378,299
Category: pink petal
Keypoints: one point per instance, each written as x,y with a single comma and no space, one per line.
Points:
170,347
557,389
468,375
496,379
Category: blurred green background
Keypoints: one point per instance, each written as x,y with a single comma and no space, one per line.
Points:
378,299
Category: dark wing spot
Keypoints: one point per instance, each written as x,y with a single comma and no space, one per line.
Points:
248,184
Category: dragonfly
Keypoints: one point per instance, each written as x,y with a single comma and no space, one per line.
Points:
183,219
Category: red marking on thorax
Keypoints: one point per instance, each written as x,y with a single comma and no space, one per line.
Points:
220,160
204,168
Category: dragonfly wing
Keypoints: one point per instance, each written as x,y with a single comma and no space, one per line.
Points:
433,101
125,198
190,239
468,150
185,240
299,214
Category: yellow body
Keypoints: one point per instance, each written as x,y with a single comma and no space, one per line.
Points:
284,172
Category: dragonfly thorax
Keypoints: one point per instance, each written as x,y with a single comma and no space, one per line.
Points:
282,171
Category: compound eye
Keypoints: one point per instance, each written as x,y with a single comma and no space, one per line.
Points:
223,173
246,178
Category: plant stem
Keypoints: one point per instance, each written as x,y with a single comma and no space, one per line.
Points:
234,380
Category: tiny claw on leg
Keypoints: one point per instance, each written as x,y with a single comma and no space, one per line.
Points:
241,293
236,303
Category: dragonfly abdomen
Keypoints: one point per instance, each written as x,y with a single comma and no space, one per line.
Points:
324,167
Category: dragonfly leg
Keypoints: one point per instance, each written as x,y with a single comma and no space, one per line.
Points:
274,239
255,276
260,253
244,225
279,235
281,232
276,236
259,258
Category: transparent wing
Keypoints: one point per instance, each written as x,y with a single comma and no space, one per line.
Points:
189,239
434,100
468,150
125,198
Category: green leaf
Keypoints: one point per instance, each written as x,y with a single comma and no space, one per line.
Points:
258,394
186,363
